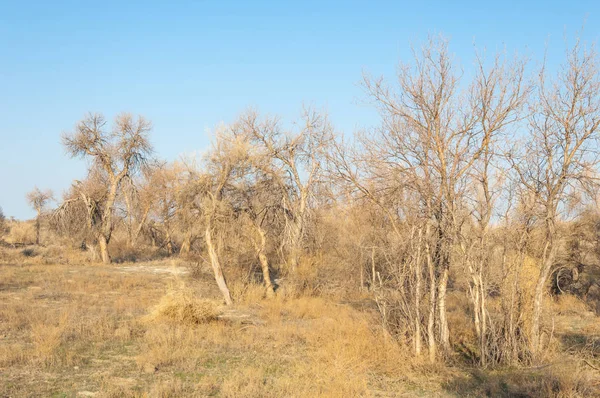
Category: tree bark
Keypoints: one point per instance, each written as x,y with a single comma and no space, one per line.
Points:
443,326
295,244
297,230
106,226
216,266
169,242
37,229
138,230
264,262
186,244
103,245
483,337
550,255
432,290
417,320
418,333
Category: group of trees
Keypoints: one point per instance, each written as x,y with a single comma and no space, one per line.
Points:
469,180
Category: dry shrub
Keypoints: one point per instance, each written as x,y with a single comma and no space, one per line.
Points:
122,252
39,255
183,306
569,380
567,304
21,233
566,380
56,254
247,293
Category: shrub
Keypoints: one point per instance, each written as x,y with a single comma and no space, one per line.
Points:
184,307
21,233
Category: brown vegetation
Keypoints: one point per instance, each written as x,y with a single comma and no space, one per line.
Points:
451,250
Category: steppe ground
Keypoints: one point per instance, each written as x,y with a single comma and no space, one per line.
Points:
157,329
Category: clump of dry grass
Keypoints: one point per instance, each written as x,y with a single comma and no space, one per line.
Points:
563,380
21,232
567,304
247,293
183,306
47,338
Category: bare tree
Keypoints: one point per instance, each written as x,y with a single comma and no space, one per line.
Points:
117,153
79,215
39,200
295,159
188,209
497,97
228,150
260,199
561,153
434,142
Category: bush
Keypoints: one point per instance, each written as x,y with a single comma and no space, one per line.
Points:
184,307
21,232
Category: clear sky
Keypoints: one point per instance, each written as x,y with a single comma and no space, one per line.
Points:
188,66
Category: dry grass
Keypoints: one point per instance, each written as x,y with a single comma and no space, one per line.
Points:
184,307
20,232
124,331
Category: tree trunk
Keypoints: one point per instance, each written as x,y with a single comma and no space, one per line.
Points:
483,313
169,242
297,230
550,255
216,266
474,289
186,244
106,226
432,290
140,226
295,244
103,245
443,326
37,229
417,320
129,219
264,262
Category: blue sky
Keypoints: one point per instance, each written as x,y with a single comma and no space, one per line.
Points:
188,66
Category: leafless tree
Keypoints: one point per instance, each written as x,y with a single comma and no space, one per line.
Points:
560,154
39,200
294,158
117,153
228,150
79,215
259,199
434,142
186,191
497,97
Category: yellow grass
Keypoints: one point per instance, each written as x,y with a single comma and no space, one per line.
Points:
183,306
123,331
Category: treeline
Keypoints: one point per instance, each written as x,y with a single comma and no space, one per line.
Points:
471,182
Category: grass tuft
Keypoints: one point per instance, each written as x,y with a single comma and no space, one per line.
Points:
184,307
